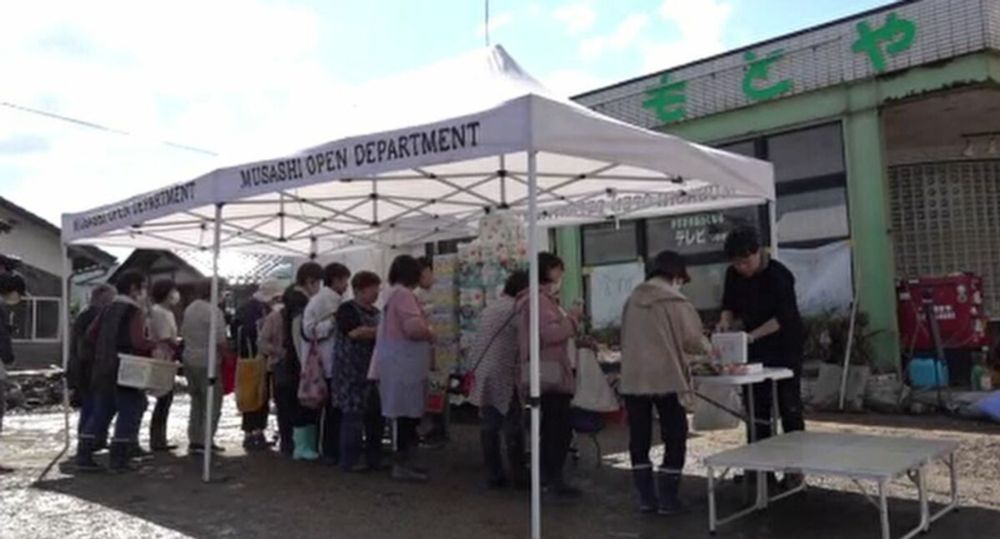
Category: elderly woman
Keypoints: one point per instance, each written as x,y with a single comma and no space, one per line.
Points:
353,394
162,326
557,328
495,392
660,328
402,360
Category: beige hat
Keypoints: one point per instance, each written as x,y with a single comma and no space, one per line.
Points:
268,290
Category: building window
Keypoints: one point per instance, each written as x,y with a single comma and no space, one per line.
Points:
810,180
608,243
36,319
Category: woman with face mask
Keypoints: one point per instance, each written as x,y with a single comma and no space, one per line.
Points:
162,325
660,329
556,329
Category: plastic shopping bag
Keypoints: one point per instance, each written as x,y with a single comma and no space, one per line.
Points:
708,416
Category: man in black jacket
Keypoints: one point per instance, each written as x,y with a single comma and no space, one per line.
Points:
12,289
760,294
81,356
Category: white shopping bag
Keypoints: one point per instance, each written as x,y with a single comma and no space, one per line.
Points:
593,393
708,416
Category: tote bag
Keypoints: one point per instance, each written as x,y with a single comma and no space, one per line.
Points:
312,386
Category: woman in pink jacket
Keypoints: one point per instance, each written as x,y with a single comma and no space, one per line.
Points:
556,329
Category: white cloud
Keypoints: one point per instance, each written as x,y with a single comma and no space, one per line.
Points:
701,27
570,82
578,18
496,22
225,75
622,37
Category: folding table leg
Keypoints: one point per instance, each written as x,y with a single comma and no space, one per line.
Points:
925,513
883,510
711,501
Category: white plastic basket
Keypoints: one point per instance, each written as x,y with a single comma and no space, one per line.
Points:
154,375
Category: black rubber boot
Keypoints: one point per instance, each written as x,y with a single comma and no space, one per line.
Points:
519,475
669,485
85,455
121,457
643,479
491,457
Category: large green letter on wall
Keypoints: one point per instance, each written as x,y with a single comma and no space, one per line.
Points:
869,213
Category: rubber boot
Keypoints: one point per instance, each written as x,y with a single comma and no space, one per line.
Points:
85,455
643,479
519,475
404,469
120,456
490,441
305,443
669,485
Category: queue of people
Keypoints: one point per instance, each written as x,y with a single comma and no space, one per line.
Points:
339,369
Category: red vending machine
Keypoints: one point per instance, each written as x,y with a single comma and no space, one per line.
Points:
957,301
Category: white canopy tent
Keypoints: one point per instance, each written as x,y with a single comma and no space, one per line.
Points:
449,145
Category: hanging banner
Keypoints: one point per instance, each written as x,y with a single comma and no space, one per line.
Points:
822,276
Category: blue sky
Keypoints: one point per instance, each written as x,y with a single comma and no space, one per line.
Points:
245,78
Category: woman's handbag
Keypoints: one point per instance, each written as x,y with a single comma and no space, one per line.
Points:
251,384
228,372
313,391
593,393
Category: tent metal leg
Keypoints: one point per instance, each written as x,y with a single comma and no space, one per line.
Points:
206,472
535,349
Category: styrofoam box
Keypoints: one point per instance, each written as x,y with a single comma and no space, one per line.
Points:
732,347
155,375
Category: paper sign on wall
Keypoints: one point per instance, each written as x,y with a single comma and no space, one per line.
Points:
609,287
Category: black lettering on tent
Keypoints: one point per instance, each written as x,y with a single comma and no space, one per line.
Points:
392,152
458,137
380,150
246,177
370,152
340,157
428,142
442,138
359,154
414,139
474,128
404,147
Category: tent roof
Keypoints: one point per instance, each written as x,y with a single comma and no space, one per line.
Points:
429,154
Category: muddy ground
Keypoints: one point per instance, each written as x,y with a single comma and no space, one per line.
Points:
268,496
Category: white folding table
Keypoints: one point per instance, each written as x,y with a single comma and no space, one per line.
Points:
857,457
747,381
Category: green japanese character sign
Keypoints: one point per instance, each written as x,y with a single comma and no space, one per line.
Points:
897,32
667,100
758,71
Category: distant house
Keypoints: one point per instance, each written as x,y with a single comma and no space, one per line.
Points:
240,272
31,246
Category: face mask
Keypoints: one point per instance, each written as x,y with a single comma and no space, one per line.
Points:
12,299
174,298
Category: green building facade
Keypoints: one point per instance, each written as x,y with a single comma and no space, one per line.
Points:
883,129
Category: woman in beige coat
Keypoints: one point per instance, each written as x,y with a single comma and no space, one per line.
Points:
660,328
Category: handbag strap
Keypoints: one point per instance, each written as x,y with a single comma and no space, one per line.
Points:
494,338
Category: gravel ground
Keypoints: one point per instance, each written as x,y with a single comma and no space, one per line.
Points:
267,496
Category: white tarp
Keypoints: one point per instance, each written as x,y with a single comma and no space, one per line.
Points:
433,177
822,277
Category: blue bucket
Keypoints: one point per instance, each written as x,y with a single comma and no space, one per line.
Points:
922,373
